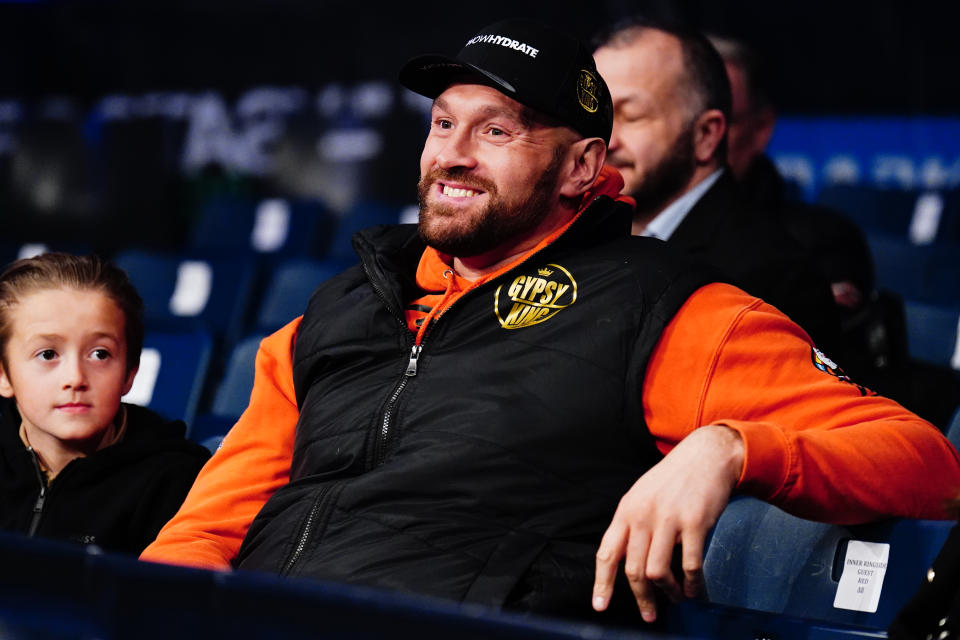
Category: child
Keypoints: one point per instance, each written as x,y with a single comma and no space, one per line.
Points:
75,463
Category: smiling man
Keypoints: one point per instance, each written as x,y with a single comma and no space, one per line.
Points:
500,406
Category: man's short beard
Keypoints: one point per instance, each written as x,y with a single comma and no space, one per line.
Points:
666,180
496,225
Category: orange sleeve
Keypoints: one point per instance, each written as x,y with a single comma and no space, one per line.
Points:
252,463
815,444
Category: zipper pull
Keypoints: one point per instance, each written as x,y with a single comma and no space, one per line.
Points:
412,365
37,512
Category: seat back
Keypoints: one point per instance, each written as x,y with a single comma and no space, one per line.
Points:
192,290
273,227
763,559
921,216
173,368
932,333
289,288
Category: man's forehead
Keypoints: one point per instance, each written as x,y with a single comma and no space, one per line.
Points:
490,101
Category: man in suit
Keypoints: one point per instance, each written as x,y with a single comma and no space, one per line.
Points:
671,99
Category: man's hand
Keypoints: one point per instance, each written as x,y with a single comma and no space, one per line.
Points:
675,502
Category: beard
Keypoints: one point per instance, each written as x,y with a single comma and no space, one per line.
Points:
459,233
668,178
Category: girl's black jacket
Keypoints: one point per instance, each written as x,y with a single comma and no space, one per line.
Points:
117,498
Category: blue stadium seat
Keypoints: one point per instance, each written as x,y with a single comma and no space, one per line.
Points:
932,333
922,216
173,369
192,290
289,288
232,394
953,430
763,559
923,273
270,228
362,215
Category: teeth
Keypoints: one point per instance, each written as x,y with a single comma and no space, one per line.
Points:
458,193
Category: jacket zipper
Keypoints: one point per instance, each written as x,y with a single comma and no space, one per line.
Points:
415,351
41,498
305,534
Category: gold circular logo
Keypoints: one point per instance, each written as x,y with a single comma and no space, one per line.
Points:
588,90
534,297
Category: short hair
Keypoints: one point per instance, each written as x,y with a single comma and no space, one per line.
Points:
756,73
704,72
83,273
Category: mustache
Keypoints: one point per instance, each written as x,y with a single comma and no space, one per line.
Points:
459,175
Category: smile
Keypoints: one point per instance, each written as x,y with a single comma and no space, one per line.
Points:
455,192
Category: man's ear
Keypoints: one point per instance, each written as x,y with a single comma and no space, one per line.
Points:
763,124
129,381
708,130
6,389
587,157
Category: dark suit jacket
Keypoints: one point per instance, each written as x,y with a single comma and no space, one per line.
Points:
761,257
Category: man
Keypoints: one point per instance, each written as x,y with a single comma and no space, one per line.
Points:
873,321
671,102
839,247
462,414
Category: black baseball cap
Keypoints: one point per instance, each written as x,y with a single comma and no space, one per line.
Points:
536,65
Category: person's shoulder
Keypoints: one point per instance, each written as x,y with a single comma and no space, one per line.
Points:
148,432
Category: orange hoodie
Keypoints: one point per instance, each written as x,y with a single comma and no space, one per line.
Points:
815,444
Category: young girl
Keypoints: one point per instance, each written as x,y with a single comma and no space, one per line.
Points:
75,463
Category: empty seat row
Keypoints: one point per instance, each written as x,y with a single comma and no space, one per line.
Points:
922,216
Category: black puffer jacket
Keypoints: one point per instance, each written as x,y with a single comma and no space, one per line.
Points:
117,498
487,468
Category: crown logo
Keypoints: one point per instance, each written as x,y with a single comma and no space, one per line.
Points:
545,272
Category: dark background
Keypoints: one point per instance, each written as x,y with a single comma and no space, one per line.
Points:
886,56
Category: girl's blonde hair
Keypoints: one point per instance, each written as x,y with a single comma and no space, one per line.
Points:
83,273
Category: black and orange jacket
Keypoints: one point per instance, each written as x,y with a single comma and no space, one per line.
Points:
816,443
495,448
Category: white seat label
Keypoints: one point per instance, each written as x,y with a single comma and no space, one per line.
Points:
271,226
141,392
926,218
192,291
864,567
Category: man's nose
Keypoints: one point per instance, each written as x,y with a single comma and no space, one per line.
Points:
458,150
614,138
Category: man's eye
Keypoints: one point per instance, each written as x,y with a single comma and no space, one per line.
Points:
444,124
494,131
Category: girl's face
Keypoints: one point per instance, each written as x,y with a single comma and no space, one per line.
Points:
66,367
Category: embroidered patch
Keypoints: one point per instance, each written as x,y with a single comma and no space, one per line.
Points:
534,297
588,90
825,364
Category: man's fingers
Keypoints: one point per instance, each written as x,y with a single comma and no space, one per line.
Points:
692,542
659,568
635,567
608,560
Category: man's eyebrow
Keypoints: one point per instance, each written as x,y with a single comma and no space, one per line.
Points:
523,116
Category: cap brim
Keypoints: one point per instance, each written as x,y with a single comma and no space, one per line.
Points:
430,75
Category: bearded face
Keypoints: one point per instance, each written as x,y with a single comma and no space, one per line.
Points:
498,218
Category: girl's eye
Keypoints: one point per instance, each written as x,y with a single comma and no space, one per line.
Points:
101,354
47,354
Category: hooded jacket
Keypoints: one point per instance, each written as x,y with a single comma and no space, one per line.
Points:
495,450
117,498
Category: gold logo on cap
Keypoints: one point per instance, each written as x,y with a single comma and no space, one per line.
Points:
587,91
531,299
